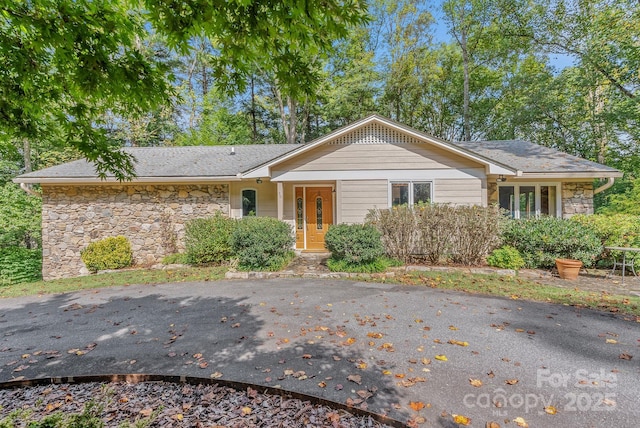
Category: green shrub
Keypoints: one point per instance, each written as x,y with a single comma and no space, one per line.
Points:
108,253
616,230
208,240
381,264
506,257
177,258
262,243
354,243
540,241
19,264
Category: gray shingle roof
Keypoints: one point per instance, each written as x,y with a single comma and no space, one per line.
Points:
191,161
532,158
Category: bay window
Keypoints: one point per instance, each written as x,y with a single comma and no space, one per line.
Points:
530,200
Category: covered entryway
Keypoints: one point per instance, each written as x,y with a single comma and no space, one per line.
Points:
314,215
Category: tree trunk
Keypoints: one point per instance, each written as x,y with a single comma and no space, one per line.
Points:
254,123
26,148
465,107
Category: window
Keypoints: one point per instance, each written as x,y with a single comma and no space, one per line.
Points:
410,193
299,214
529,200
249,202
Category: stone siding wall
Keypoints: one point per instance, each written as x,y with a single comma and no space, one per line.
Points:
577,198
151,216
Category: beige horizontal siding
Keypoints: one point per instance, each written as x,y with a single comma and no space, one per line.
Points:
355,157
465,191
358,197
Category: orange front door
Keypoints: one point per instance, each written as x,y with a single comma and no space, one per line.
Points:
319,213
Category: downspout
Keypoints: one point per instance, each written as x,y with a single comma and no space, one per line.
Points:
605,186
29,190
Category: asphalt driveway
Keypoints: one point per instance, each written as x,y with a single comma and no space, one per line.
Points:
378,345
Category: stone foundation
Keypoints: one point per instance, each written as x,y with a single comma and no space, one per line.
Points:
577,198
152,217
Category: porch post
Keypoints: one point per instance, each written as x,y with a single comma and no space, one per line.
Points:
280,200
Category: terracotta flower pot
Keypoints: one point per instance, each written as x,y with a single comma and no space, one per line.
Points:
568,268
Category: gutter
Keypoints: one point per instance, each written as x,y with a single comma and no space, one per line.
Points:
605,186
29,190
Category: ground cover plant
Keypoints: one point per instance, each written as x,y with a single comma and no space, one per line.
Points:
114,279
516,288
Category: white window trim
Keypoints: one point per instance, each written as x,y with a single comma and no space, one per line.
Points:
538,200
241,202
410,182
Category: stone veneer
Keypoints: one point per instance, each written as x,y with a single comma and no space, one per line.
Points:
152,217
577,198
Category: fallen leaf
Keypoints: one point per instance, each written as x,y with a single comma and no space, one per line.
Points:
362,366
146,412
521,422
386,372
492,425
452,327
461,420
350,341
551,410
624,356
178,417
475,382
611,341
306,356
457,342
196,356
246,410
441,357
375,335
355,378
216,375
416,405
426,361
322,384
511,381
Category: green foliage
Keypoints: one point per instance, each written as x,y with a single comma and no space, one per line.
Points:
541,241
20,216
262,243
289,54
178,258
108,253
354,243
18,265
627,202
380,264
506,257
208,240
617,230
65,63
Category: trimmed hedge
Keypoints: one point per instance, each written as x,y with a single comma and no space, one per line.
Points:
540,241
262,243
108,253
354,243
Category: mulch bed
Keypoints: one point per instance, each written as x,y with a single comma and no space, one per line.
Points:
162,404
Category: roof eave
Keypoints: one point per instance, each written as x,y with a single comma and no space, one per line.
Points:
578,174
112,180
